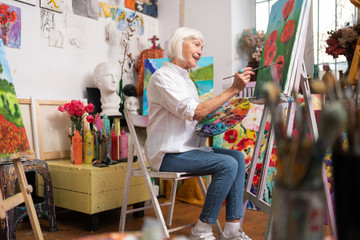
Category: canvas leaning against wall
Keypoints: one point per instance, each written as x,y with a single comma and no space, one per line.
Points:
13,138
202,75
10,25
280,45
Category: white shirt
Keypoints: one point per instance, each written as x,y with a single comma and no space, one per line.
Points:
172,98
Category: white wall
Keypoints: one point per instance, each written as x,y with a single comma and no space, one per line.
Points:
219,21
45,72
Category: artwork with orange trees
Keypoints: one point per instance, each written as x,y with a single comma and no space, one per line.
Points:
13,139
279,40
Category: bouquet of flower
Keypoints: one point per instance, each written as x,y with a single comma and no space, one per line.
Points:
252,41
6,17
76,111
343,42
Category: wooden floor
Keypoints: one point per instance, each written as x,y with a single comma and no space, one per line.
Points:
72,225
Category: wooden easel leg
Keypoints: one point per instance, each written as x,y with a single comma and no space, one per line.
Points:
26,192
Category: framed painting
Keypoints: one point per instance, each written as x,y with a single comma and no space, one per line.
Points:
13,139
281,42
10,25
31,2
146,7
202,75
54,5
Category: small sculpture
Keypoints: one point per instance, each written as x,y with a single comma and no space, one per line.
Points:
106,77
132,105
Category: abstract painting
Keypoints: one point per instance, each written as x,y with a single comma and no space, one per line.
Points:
202,75
31,2
54,5
86,8
148,7
280,40
10,25
13,139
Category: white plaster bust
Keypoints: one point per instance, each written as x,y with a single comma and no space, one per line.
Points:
132,105
106,77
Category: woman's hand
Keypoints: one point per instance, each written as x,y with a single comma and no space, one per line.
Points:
242,79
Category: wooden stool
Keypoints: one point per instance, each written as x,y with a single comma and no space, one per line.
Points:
46,208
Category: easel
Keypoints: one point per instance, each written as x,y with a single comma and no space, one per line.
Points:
297,77
24,196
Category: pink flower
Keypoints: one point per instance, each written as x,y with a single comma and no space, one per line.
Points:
89,108
61,108
90,118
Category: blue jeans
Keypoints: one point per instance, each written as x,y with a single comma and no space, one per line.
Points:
227,168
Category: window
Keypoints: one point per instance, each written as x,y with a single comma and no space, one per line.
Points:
327,15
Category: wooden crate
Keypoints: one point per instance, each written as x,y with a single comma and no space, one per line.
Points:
89,189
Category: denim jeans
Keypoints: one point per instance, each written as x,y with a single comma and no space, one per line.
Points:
227,168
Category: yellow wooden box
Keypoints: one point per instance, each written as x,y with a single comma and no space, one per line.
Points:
89,189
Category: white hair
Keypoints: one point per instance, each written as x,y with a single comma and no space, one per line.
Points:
177,38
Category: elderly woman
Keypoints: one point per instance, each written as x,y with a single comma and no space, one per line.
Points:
173,146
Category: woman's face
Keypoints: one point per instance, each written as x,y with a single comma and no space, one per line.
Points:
192,51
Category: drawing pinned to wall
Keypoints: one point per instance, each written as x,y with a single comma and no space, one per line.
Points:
122,23
86,8
31,2
52,27
148,7
54,5
202,75
10,25
107,10
75,32
13,140
280,38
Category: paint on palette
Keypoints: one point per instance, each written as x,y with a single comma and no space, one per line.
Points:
224,118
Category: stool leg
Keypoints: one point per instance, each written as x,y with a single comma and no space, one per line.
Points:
28,200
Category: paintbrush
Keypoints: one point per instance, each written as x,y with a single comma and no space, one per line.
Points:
265,66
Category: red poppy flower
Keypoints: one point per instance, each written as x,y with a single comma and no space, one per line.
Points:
256,180
287,9
277,68
231,135
270,54
288,31
259,166
245,143
271,40
3,8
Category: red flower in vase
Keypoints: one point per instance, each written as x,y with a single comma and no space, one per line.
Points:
76,111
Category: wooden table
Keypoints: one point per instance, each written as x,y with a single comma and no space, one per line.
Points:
91,190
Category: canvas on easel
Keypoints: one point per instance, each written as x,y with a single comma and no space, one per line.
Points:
284,43
14,145
281,45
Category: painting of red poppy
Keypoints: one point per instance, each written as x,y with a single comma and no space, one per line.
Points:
13,139
280,40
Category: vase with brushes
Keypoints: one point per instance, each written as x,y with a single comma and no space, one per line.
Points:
76,111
